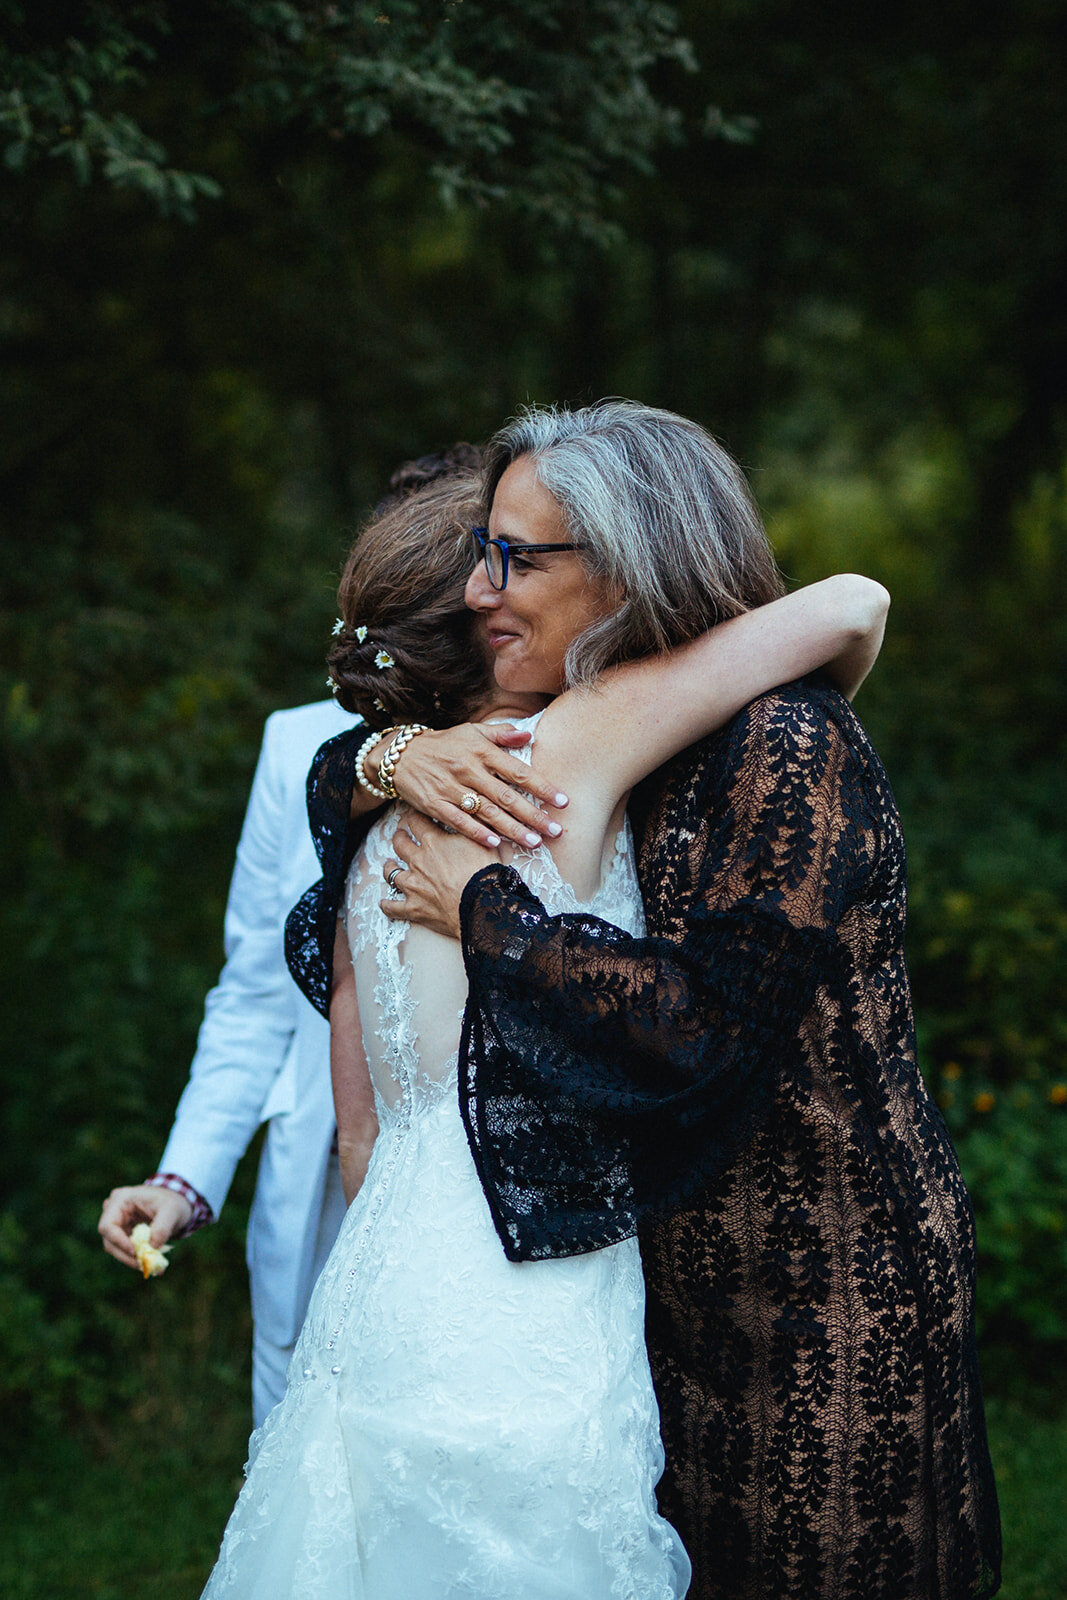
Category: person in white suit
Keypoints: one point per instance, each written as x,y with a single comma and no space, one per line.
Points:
262,1056
263,1050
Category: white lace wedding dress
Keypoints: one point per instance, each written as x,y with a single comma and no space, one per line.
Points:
455,1425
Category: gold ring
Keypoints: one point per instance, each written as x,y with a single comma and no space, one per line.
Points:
389,880
471,803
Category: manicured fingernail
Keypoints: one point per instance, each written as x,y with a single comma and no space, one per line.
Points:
533,838
555,828
492,840
561,799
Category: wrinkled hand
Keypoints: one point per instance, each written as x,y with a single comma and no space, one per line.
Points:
166,1212
437,769
435,868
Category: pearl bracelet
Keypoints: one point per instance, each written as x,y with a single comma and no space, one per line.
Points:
364,751
387,768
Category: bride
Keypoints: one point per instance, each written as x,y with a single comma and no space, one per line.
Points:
456,1424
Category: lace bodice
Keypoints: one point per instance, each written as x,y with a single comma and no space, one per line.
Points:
411,983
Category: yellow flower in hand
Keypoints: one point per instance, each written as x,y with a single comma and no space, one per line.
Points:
150,1260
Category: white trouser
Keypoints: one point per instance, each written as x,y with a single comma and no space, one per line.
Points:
270,1361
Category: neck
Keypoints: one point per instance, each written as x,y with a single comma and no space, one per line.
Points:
510,705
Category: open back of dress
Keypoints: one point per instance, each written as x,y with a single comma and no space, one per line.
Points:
410,983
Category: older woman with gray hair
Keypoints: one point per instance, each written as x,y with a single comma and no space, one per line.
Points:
738,1081
458,1422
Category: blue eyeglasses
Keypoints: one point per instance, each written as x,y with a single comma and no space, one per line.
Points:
495,554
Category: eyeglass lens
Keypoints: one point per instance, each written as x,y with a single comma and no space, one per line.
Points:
494,564
492,553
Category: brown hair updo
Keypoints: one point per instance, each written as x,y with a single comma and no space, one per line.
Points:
403,582
458,460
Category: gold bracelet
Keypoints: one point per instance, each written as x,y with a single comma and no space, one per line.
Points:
387,766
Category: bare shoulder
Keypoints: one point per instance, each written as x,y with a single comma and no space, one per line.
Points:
575,738
564,753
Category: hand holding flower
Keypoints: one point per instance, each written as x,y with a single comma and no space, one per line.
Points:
163,1211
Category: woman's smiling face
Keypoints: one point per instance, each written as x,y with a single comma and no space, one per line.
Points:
550,598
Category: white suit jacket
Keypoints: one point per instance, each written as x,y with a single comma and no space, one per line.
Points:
263,1050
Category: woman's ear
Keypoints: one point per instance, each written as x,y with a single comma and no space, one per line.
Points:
611,592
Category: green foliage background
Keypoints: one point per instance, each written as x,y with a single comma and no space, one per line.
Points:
252,255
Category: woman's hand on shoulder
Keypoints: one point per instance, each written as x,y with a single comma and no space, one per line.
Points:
438,769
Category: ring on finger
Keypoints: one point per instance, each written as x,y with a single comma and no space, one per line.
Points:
471,803
390,879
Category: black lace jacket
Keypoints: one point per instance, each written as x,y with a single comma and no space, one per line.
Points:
311,926
741,1085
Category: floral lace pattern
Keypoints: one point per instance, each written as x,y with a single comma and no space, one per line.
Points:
391,1037
742,1084
455,1425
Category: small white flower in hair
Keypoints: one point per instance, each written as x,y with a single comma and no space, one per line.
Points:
331,685
383,661
379,705
360,633
339,626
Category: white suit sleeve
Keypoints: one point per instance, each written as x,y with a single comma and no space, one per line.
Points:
249,1016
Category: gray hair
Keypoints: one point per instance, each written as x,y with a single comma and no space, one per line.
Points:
661,511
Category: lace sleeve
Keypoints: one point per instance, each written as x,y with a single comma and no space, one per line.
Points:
310,927
603,1077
